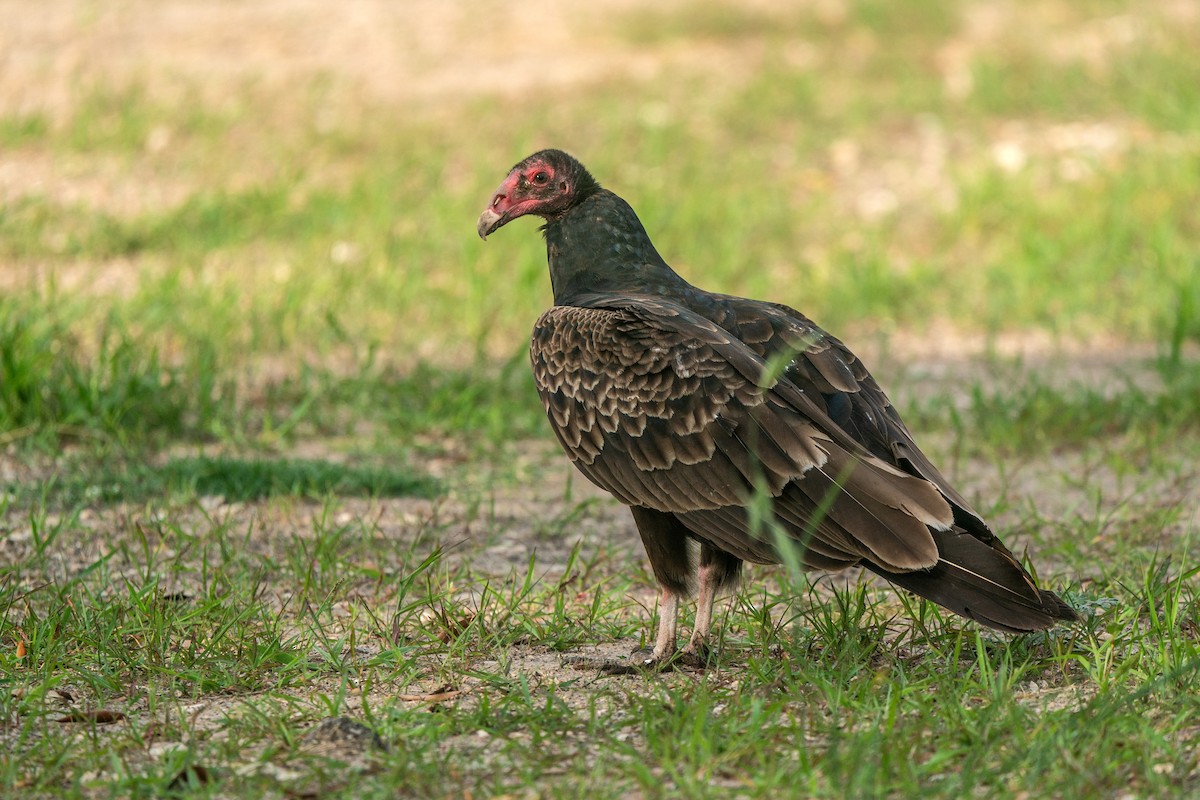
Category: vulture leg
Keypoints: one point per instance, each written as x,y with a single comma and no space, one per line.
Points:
664,641
718,570
666,541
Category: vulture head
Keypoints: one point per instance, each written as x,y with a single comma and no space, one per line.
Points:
546,184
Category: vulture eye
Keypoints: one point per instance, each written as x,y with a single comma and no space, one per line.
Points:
541,178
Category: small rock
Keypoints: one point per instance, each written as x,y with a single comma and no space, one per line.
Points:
342,739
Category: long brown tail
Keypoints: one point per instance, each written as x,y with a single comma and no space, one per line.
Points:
983,582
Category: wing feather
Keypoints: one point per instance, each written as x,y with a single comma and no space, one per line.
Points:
665,410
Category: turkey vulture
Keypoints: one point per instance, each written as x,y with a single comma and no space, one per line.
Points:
692,407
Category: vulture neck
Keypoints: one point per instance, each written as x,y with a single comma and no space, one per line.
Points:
600,247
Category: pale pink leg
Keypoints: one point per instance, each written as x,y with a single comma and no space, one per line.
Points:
704,609
664,643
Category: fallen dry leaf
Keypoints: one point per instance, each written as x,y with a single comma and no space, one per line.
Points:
452,628
99,716
439,695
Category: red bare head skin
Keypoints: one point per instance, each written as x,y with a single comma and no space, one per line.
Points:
546,184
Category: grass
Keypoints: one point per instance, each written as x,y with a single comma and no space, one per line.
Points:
1030,413
270,452
233,479
834,693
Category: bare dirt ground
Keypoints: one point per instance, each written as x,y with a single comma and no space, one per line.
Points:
386,52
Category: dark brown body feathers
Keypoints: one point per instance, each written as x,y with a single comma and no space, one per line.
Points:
683,404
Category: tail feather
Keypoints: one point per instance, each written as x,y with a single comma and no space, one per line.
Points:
984,582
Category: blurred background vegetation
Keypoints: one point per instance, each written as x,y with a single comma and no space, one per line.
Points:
270,450
243,221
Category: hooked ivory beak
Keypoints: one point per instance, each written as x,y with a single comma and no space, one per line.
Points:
489,220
